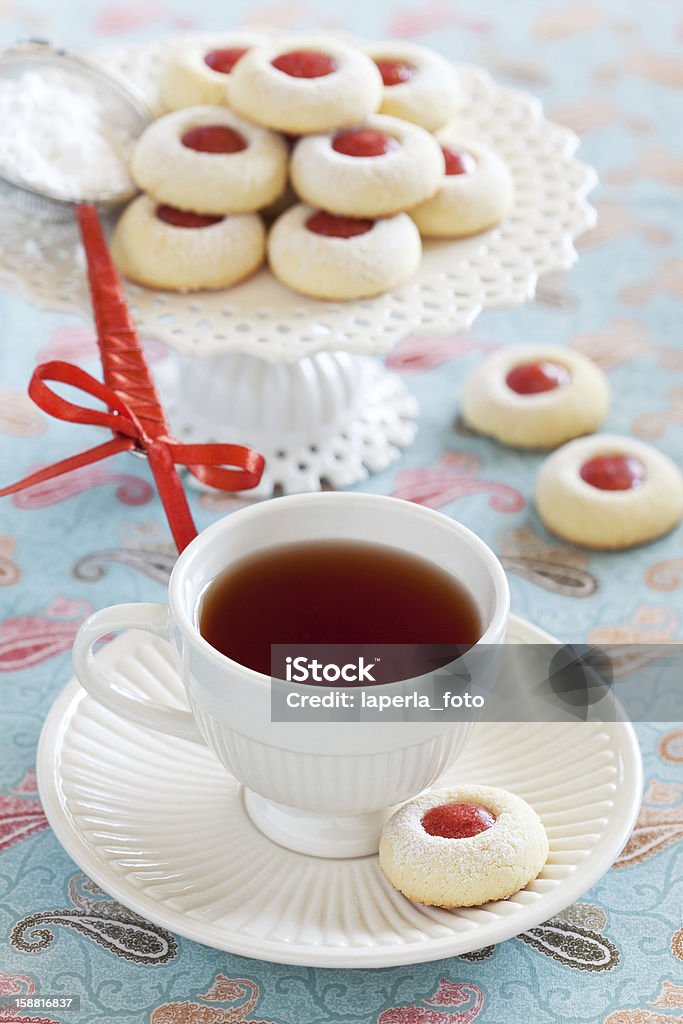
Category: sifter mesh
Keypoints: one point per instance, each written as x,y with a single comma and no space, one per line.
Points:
119,104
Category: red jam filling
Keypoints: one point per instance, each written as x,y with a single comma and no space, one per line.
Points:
223,60
185,218
457,161
533,378
363,142
322,223
394,72
214,138
457,821
305,64
613,472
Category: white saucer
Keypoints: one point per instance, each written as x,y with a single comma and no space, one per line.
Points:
158,824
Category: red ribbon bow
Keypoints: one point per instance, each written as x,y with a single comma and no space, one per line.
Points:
206,462
134,413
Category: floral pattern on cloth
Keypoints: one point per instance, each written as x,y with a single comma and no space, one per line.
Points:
21,813
26,640
659,825
100,919
99,537
454,476
129,489
457,1002
144,548
242,993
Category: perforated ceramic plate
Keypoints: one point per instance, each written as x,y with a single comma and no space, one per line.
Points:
160,825
456,281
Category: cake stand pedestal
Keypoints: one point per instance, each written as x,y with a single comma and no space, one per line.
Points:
329,419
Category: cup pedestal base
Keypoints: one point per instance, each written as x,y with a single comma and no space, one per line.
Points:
317,835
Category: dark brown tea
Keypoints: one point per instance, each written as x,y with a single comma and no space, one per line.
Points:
333,592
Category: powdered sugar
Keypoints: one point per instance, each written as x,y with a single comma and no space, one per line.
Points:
55,136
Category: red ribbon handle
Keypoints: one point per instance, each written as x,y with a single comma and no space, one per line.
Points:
133,411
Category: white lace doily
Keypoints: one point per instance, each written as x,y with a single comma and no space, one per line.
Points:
456,281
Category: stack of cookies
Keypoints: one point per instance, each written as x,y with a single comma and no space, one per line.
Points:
350,154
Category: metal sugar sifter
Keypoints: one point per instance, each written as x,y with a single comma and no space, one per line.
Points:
121,107
134,413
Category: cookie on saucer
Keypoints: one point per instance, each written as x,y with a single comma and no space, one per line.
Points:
535,396
609,492
475,193
305,85
161,246
330,257
380,167
197,71
208,160
419,84
463,846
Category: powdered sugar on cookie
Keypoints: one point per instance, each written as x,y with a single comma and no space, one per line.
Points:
406,173
598,514
384,254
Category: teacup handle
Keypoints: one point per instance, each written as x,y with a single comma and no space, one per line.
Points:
154,618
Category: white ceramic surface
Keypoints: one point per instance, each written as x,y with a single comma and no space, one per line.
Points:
456,280
330,418
160,825
327,770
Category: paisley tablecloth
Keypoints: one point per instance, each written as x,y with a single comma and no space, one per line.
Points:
609,69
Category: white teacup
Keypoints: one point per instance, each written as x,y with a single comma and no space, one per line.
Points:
323,789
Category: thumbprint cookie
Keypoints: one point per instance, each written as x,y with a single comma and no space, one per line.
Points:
208,160
535,396
462,847
162,246
609,492
419,85
475,192
305,85
377,168
197,71
331,257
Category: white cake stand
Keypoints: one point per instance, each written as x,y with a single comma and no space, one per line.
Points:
302,380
